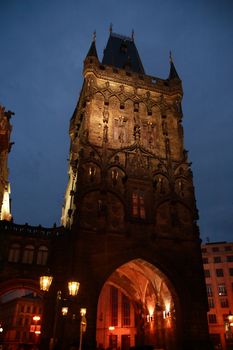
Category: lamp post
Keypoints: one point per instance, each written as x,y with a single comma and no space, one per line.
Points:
228,331
73,287
83,326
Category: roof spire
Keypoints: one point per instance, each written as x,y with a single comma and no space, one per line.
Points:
170,56
132,35
110,28
173,73
94,36
92,51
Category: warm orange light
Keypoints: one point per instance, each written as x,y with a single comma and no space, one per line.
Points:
83,311
45,283
64,310
111,328
73,287
36,318
32,328
5,213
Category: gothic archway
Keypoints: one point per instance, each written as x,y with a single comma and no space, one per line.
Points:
137,307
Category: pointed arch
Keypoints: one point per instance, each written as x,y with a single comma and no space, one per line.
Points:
151,305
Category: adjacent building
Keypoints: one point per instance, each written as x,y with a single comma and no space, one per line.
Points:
21,322
218,268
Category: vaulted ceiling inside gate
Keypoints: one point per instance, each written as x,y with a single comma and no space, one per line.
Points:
143,282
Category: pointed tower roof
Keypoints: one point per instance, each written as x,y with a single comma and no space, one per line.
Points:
173,73
92,51
121,52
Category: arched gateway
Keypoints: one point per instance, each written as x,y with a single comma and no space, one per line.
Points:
137,305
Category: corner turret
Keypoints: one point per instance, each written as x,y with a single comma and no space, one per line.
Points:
173,73
92,53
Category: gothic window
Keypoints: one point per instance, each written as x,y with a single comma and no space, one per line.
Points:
28,254
125,311
14,253
138,204
114,305
42,255
160,185
205,260
91,172
114,175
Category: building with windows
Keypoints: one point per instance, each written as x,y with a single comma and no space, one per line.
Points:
218,269
129,230
21,323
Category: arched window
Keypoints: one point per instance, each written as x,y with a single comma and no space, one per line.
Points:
138,204
42,255
28,254
14,253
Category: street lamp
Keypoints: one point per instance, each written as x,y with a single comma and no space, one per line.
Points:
45,282
73,287
83,325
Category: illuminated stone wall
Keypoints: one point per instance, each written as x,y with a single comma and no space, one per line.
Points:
5,145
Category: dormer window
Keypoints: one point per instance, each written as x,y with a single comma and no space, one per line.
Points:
123,48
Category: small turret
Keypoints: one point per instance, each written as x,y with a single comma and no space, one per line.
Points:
173,73
92,53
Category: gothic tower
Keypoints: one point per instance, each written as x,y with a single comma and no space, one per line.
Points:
130,206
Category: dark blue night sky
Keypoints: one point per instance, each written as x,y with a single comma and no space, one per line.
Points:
43,45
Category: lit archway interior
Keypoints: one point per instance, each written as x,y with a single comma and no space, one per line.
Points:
136,307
